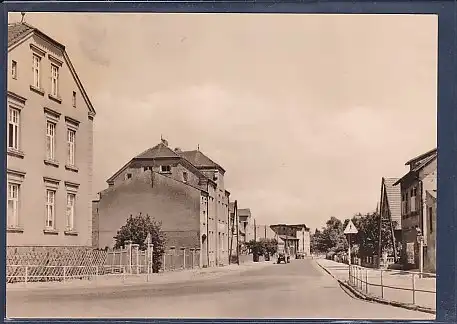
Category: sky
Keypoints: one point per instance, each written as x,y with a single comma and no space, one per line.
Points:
306,113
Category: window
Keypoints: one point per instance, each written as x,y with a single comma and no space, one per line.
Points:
74,99
165,168
36,71
54,80
71,198
184,176
13,205
147,168
50,209
128,176
13,129
430,218
413,199
71,134
14,70
50,140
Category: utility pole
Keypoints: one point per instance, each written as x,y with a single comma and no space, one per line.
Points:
255,231
237,233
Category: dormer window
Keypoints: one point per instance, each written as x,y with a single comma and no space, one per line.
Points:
165,169
184,177
128,176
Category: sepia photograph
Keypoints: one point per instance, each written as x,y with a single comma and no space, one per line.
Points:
232,166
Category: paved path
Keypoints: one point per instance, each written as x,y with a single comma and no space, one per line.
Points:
393,278
300,289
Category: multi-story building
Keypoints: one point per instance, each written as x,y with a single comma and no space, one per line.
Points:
430,256
187,199
246,225
414,185
49,144
295,237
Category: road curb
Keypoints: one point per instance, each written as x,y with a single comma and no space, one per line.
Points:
364,296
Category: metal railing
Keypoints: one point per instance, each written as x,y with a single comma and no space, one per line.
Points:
359,279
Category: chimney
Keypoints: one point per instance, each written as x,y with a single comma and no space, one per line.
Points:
178,150
164,142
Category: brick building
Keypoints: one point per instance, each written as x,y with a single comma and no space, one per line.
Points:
49,145
414,185
180,189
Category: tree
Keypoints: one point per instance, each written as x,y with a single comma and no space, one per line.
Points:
331,238
270,246
367,237
136,230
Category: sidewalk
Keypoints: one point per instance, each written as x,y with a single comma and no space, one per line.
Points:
142,279
398,279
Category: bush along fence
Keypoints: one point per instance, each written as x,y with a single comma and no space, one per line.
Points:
42,264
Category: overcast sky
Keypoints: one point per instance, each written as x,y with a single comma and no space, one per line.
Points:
305,112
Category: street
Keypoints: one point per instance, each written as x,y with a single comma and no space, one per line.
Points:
300,289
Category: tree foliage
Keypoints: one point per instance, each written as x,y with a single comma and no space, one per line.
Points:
365,243
263,246
136,230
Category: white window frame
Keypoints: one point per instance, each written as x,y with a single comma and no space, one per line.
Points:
165,171
16,124
71,147
70,212
13,220
50,221
36,68
54,80
51,128
72,191
14,69
51,190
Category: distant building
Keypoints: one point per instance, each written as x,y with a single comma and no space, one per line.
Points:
414,185
390,209
246,225
190,202
296,237
49,145
264,232
430,255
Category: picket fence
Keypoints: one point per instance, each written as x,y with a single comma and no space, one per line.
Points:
41,264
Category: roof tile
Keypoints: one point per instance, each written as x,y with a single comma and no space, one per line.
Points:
394,199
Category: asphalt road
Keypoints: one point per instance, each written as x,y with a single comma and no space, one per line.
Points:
300,289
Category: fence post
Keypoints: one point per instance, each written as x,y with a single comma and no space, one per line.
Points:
382,287
64,273
192,251
366,281
414,288
123,273
184,257
26,274
129,254
164,259
172,249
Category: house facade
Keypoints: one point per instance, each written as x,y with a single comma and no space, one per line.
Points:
162,183
264,232
414,185
390,211
246,225
295,237
49,144
430,256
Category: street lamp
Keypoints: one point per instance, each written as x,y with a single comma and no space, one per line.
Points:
420,240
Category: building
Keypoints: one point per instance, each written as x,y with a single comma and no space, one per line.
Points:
189,199
50,145
233,230
390,210
430,256
295,237
414,185
246,225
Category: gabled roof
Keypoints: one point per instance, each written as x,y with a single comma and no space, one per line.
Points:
420,162
393,195
157,152
18,32
200,160
422,156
